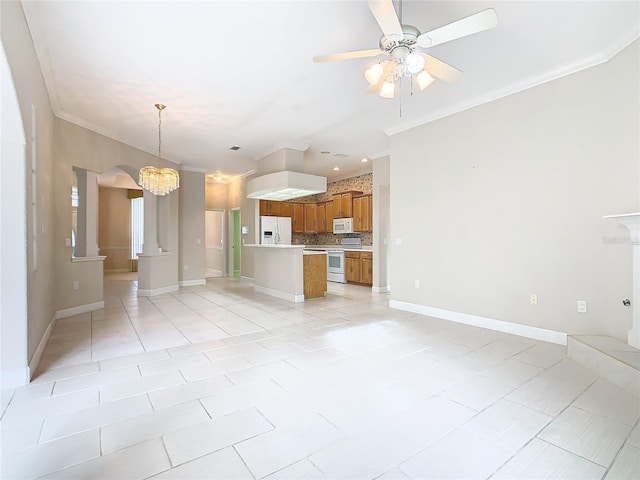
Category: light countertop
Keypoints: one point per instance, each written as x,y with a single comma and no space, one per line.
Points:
365,248
278,245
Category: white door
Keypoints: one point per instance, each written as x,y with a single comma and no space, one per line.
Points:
213,243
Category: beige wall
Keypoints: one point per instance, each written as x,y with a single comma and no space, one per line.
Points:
114,228
38,124
216,196
77,146
381,223
507,199
191,264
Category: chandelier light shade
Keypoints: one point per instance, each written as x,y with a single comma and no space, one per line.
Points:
159,180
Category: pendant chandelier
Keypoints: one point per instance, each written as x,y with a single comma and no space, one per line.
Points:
158,180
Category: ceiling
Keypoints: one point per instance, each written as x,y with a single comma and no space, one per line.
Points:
240,73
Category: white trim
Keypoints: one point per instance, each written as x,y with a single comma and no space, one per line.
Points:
185,168
191,283
381,289
37,356
70,312
246,279
17,377
527,331
277,293
268,151
99,258
158,291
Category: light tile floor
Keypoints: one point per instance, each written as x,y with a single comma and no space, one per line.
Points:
217,381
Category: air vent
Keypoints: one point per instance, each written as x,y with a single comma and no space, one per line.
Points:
340,155
235,147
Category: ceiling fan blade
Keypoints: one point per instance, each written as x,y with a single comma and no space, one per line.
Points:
387,18
478,22
388,68
347,55
439,69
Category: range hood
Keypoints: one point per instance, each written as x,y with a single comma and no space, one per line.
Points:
285,185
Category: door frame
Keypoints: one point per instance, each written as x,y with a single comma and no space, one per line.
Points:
223,236
234,243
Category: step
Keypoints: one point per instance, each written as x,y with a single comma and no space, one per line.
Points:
609,357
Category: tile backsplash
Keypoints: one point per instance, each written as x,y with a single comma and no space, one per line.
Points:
362,183
330,238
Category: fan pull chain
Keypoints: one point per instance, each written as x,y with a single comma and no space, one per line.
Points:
400,95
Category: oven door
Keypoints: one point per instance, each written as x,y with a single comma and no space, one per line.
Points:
335,267
335,262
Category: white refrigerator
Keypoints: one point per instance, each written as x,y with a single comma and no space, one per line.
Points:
275,230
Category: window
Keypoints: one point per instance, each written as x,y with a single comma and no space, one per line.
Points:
137,226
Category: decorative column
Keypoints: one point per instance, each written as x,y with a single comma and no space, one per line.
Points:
87,235
632,222
150,245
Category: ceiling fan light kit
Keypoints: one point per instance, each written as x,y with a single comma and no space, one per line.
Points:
399,43
373,73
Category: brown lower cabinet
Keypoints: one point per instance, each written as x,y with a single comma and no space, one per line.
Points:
366,268
358,267
314,273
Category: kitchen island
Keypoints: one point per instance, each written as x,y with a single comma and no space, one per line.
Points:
279,270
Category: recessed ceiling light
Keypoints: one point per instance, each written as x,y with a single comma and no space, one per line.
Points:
336,168
325,152
235,147
364,159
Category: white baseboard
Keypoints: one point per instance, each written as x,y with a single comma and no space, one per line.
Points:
277,293
70,312
37,356
118,270
158,291
16,377
381,289
527,331
191,283
246,279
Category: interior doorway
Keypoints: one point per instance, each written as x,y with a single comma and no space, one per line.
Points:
234,242
214,243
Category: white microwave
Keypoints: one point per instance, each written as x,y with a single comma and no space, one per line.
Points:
343,225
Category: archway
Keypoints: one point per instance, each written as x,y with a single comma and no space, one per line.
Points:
13,237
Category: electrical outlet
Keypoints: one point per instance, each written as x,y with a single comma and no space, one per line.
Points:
582,306
76,285
533,299
186,267
416,283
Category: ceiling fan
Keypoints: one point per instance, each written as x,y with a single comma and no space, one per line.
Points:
400,43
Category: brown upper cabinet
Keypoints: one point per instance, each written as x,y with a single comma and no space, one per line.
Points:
343,204
324,217
287,209
310,221
321,217
362,213
297,224
271,207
